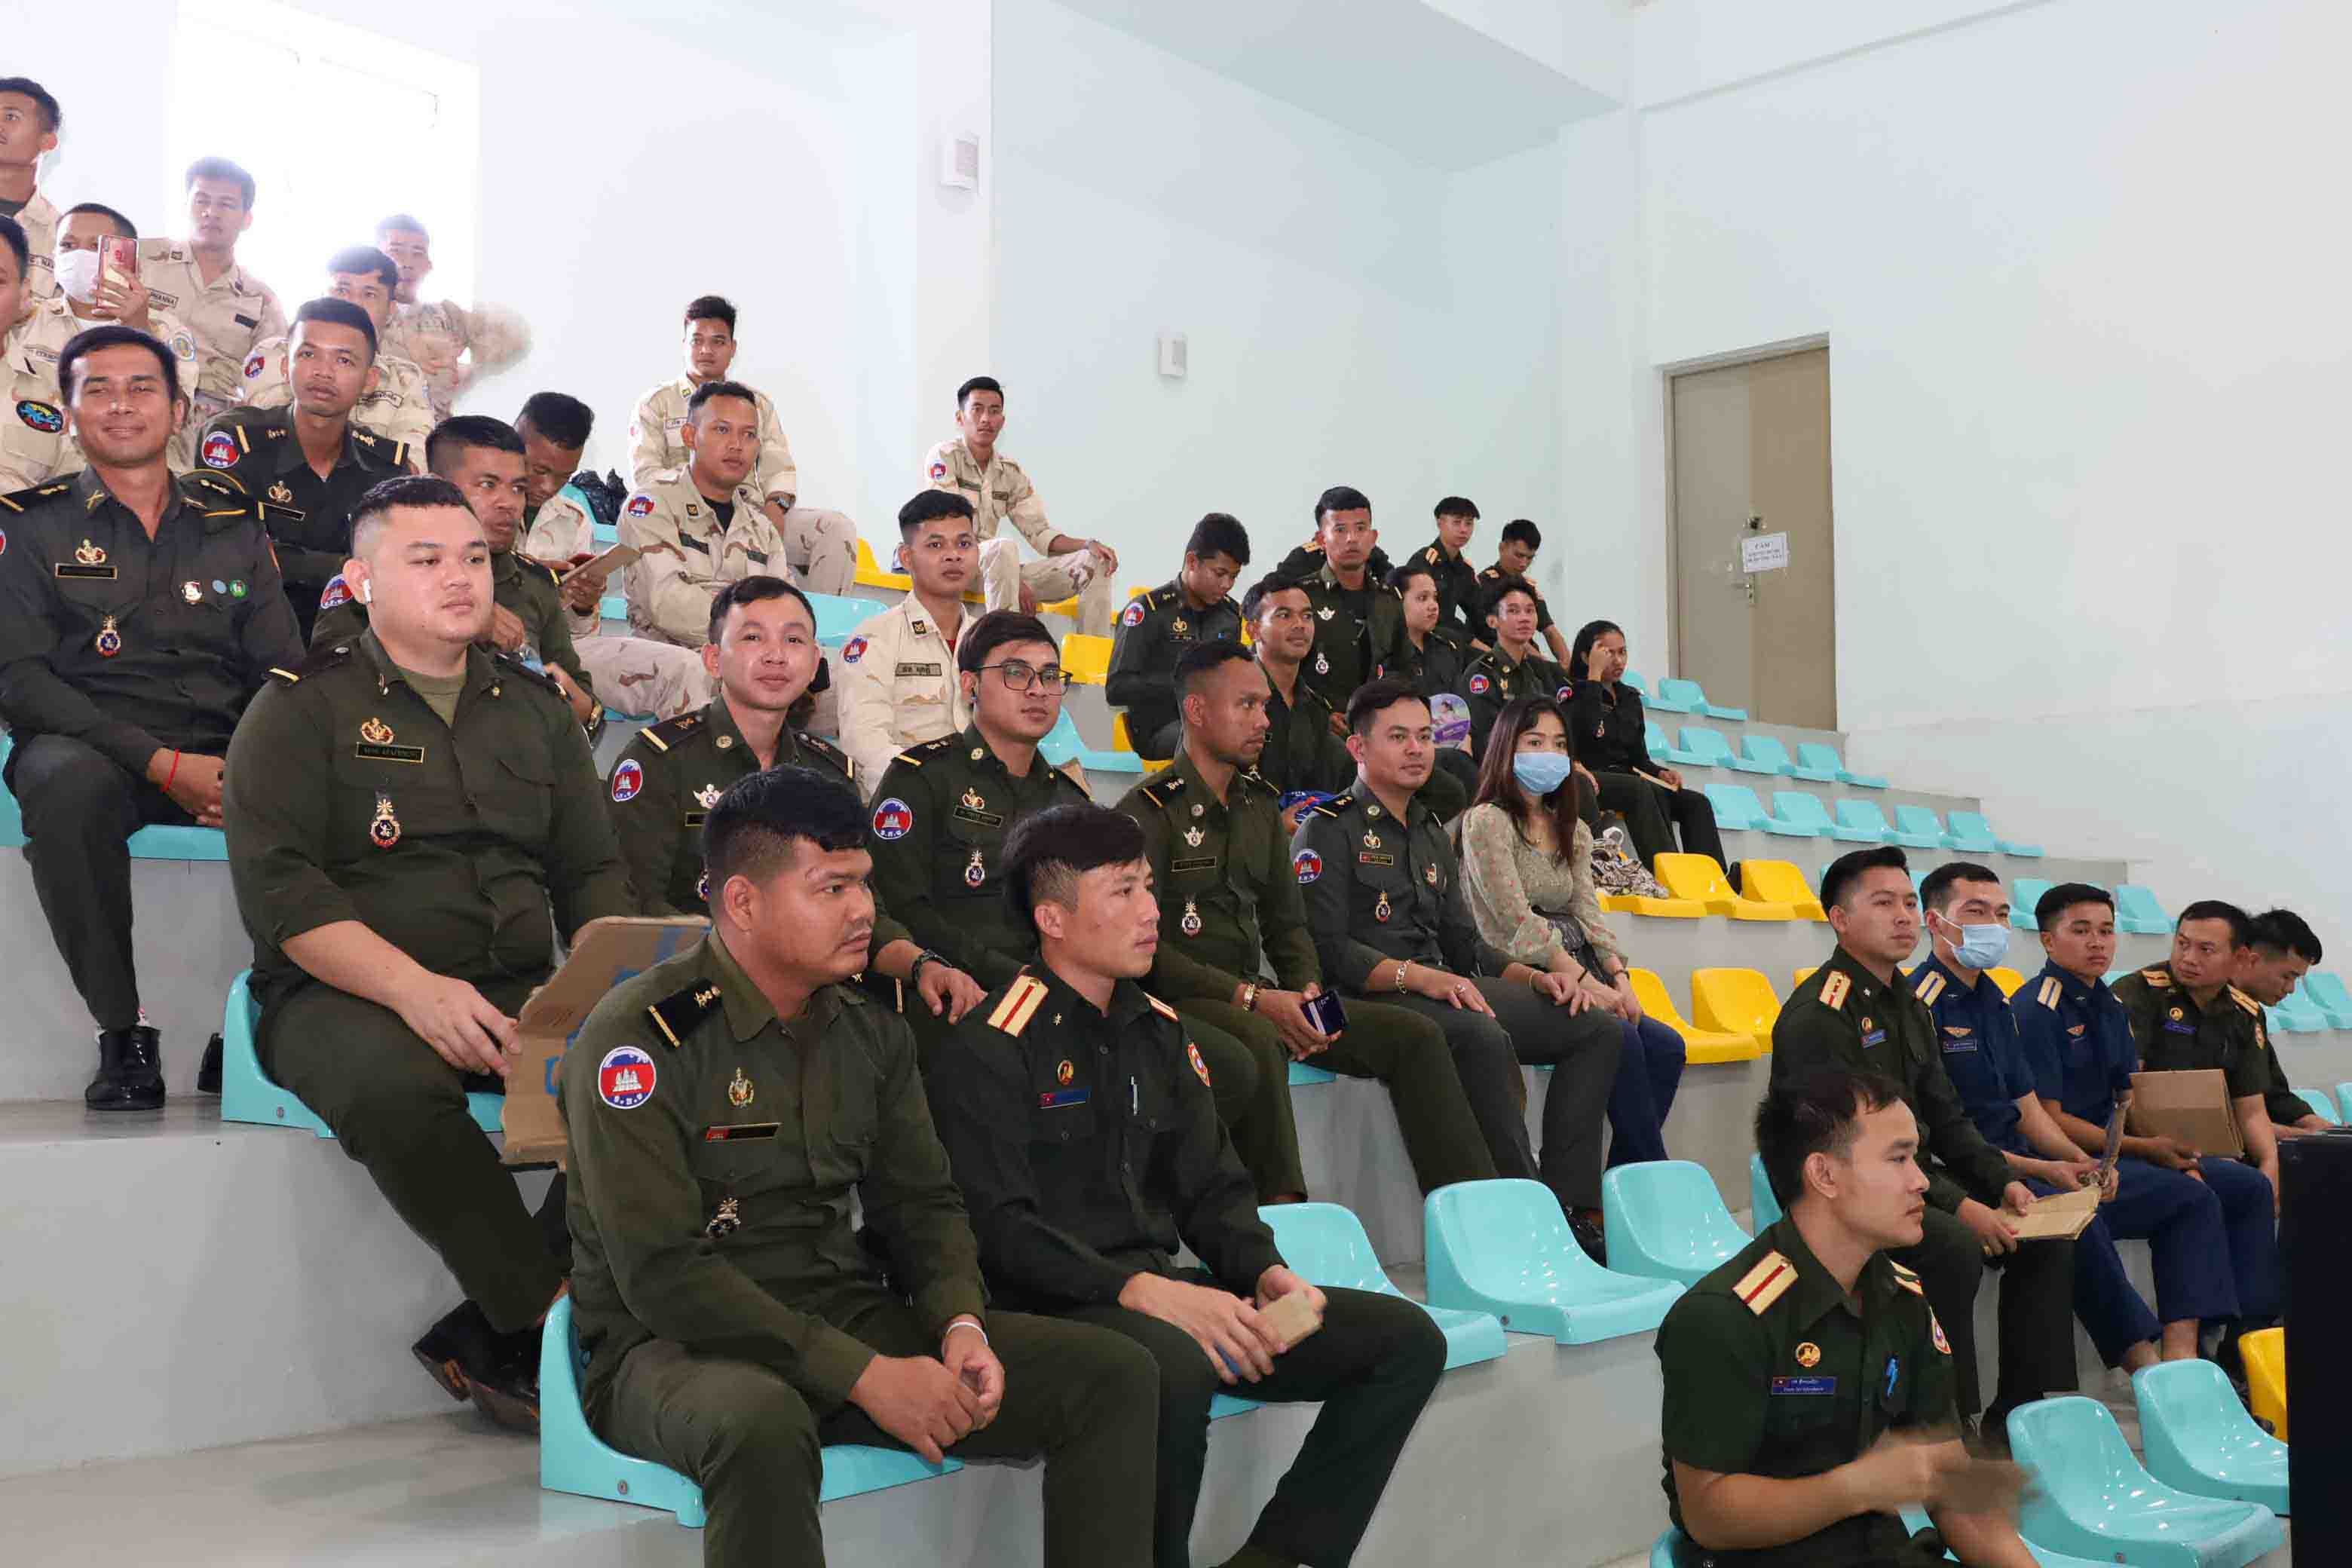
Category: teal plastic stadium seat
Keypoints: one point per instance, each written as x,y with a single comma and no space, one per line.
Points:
248,1094
1764,1208
1327,1245
1736,806
1662,1556
1860,822
1920,827
2138,911
1666,696
1822,756
1971,833
2024,894
1765,754
1707,746
2327,991
1632,679
1301,1074
2296,1015
1503,1246
1694,700
2023,851
1664,1218
614,607
2091,1497
837,618
1915,1520
1815,764
573,1458
1654,742
161,842
2322,1101
1801,814
1062,743
2197,1436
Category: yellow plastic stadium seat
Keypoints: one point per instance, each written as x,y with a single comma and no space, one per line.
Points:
2264,1354
1698,876
1802,975
1735,1002
1780,882
1702,1047
2008,979
1665,908
1066,608
871,575
1087,658
1120,741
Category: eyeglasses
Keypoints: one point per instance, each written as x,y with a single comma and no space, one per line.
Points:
1020,676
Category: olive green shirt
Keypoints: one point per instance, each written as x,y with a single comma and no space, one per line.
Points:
1155,630
1354,629
1841,1017
347,798
1770,1368
525,589
1378,889
1228,900
308,517
1301,753
715,1153
1491,679
2175,1035
942,815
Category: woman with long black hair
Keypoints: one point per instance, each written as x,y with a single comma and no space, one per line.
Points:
1611,737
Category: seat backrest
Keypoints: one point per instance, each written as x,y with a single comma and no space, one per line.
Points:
1918,819
1326,1244
1504,1235
1692,875
1740,1000
1971,823
1631,679
2326,988
2072,1445
837,618
2322,1101
1062,741
1708,746
2138,902
1800,809
1763,1208
1819,755
1654,741
1656,1000
1774,882
1735,804
1675,689
1088,658
2008,979
2025,893
1671,1204
1861,814
1765,749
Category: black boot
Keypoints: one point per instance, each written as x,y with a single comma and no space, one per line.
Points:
129,1071
471,1359
208,1071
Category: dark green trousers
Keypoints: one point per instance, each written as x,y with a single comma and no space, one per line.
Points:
1085,1399
1249,1078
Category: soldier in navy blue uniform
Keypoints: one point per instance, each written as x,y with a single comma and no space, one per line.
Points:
1986,1058
2210,1222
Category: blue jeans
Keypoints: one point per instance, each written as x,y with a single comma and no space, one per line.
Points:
1649,1070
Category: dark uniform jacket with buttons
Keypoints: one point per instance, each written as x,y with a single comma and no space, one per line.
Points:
1982,1054
1439,664
1307,559
1770,1369
2175,1035
1228,902
1491,582
942,815
1301,753
525,589
1377,889
1154,631
308,517
1841,1017
1492,679
347,798
2078,1041
1606,730
716,1154
1089,1147
129,644
1354,630
1458,591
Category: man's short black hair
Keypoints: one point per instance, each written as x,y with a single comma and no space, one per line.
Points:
359,261
1219,533
1400,578
933,506
1046,854
113,335
559,417
1456,506
1340,498
978,383
221,169
711,308
2053,905
1816,1112
1490,602
1847,869
129,230
336,312
1375,698
1520,530
12,235
753,590
2283,931
1265,588
995,630
402,223
710,389
406,489
2238,921
445,448
1935,889
1202,660
52,117
753,830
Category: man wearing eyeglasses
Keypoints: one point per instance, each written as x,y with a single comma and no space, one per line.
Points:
943,809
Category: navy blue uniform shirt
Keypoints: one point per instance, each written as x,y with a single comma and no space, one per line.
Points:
1980,1051
2078,1041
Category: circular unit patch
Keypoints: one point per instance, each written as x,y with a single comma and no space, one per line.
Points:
624,1078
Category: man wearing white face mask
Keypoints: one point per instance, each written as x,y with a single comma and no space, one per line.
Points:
91,294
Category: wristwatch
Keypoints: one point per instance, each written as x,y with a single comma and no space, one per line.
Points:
1249,995
914,970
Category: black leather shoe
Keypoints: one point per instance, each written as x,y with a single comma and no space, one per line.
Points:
462,1339
1587,1237
208,1071
471,1359
129,1071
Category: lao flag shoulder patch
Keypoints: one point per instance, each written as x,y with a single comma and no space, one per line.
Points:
628,779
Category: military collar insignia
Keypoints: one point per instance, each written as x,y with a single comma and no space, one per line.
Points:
724,742
1325,613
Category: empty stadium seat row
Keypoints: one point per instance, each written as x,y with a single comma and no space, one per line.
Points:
1798,814
1816,760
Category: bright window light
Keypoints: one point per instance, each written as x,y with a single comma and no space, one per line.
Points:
341,127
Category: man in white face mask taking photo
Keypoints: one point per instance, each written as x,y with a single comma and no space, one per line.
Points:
92,294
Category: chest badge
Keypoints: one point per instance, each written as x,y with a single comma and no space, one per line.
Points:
1064,1073
1322,665
1429,875
976,872
376,732
237,588
1373,810
192,592
725,742
1198,809
1809,1355
89,554
1192,836
975,753
1381,912
1178,625
1191,923
1200,1067
1326,612
702,886
2176,1012
1865,1022
726,1219
280,494
385,831
707,796
740,1091
1371,840
972,801
109,643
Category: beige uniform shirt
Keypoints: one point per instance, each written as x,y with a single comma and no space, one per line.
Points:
229,315
559,530
997,492
39,219
433,335
401,407
686,556
898,687
33,442
655,443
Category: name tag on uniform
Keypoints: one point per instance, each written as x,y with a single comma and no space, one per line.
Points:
932,669
985,819
736,1132
76,569
1054,1100
1960,1041
367,753
2175,1027
269,511
1804,1385
1874,1037
696,818
1198,863
246,322
1366,859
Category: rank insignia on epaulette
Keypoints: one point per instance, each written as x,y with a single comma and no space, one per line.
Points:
2049,992
1021,1003
677,1015
1771,1279
1162,1009
2248,1003
1930,987
1905,1277
1833,991
2158,976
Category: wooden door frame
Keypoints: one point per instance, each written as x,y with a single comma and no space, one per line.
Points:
1667,373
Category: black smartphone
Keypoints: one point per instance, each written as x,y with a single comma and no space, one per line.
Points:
1326,1013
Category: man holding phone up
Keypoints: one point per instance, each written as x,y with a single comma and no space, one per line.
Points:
1220,857
97,268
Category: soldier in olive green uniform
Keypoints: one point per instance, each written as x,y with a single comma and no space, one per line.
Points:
1355,630
1449,566
1511,668
1303,750
524,588
734,1321
1156,627
2176,1033
395,838
1844,1016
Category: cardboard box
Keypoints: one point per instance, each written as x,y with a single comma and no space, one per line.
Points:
2193,1106
609,950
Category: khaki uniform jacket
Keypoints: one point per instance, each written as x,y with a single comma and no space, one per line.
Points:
1377,890
39,219
496,337
524,588
560,529
401,406
1841,1017
898,687
715,1155
231,316
685,555
997,492
655,444
1229,901
348,799
131,645
33,442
